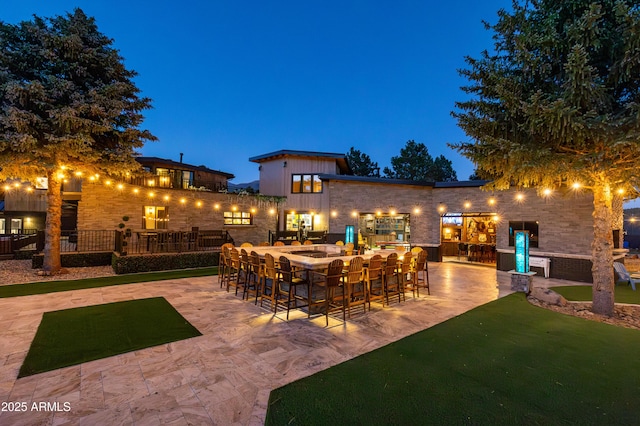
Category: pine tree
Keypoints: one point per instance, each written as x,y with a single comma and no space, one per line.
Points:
67,105
361,164
558,102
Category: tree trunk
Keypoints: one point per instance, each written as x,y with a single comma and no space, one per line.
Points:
602,250
51,262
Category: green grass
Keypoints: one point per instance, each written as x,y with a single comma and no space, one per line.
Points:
29,289
506,362
584,293
73,336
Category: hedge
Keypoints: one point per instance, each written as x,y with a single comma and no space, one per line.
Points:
163,262
76,260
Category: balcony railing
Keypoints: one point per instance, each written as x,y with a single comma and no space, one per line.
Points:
173,182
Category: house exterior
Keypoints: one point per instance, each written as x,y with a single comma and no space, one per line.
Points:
23,205
165,173
305,192
437,216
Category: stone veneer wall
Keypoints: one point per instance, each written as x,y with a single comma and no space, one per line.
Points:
564,219
102,207
365,197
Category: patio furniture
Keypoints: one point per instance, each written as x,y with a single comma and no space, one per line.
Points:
288,282
625,276
348,249
373,279
269,281
391,280
405,275
462,250
331,280
233,269
253,277
420,273
355,288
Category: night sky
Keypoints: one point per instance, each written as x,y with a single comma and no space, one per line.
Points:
235,79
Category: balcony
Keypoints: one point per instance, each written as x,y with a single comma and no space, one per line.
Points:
177,182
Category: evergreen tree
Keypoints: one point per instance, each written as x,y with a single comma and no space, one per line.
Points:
557,102
361,163
415,163
67,104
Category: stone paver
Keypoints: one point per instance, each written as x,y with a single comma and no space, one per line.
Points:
225,375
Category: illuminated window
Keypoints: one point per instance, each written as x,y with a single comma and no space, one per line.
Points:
530,226
238,218
155,217
306,184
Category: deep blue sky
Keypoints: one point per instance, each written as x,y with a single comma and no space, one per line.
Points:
233,79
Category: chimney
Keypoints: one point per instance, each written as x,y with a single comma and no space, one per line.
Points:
181,154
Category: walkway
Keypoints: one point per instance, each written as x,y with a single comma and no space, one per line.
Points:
224,376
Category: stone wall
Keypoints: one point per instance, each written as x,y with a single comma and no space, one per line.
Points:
102,207
564,219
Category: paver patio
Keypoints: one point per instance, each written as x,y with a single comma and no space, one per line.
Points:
224,376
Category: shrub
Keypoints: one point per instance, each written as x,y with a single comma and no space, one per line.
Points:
163,262
76,260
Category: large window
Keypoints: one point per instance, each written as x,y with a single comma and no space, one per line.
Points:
238,218
530,226
155,217
305,184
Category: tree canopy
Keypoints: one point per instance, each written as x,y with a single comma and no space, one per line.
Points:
67,104
415,163
361,164
557,101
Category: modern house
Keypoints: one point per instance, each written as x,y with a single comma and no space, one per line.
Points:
305,193
448,219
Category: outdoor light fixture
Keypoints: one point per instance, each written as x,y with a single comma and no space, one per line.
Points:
522,251
491,201
546,192
467,205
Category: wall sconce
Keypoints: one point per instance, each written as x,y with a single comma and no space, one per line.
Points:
260,167
284,164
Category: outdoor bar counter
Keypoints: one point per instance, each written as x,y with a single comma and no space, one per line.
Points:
316,256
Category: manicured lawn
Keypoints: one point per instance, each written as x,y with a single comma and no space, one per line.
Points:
56,286
73,336
506,362
623,293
